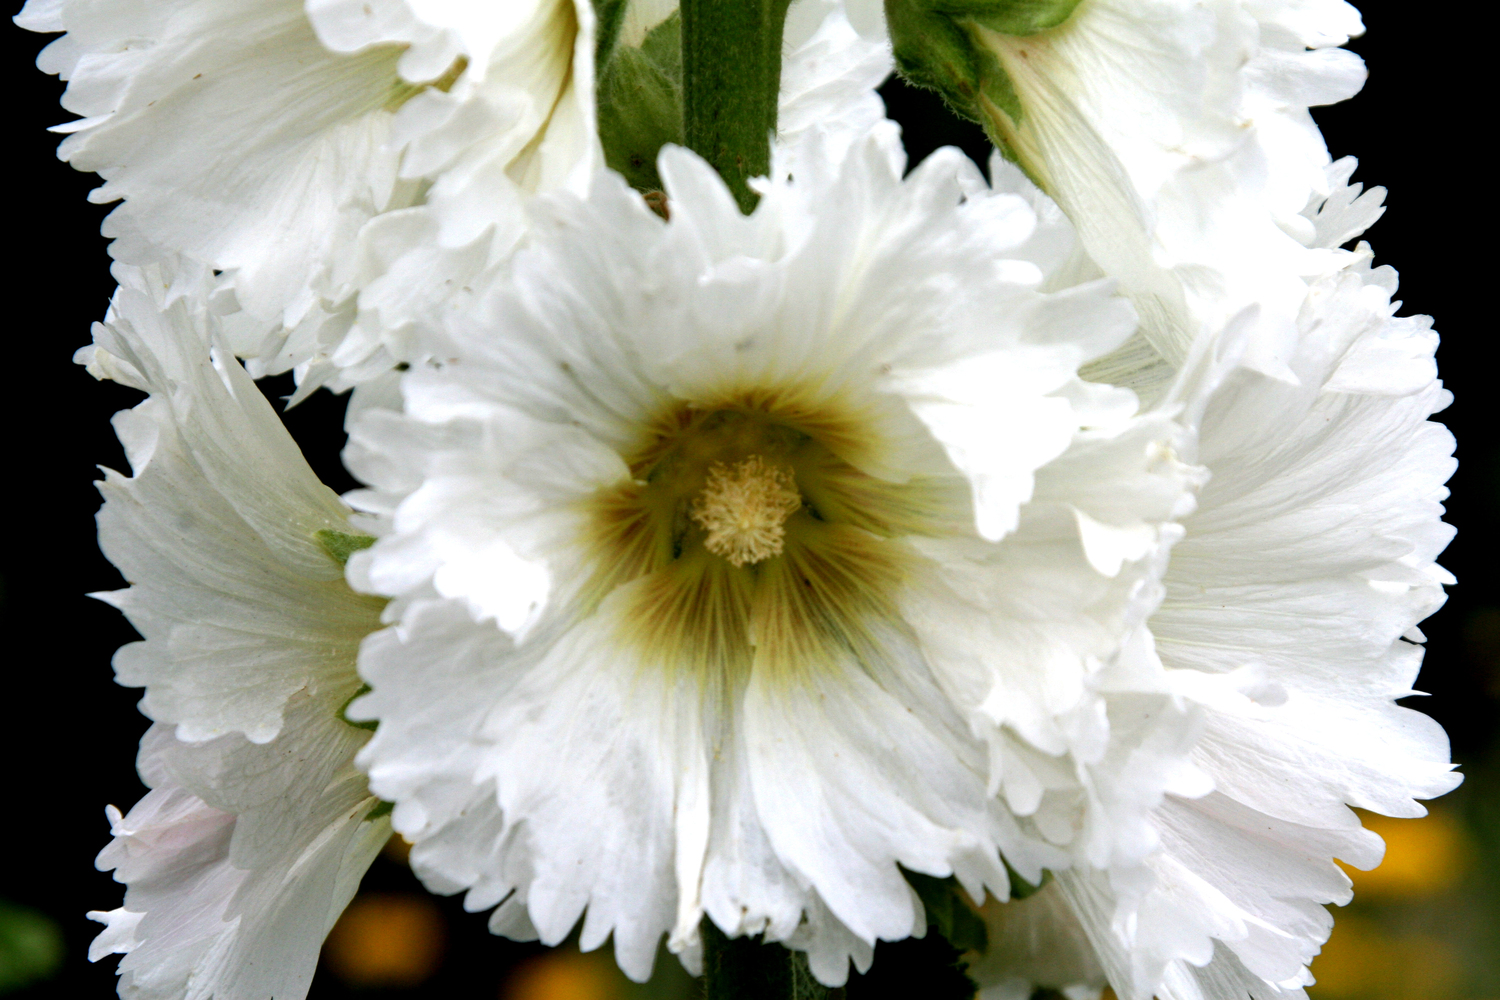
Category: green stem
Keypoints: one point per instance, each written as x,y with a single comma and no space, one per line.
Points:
731,76
747,969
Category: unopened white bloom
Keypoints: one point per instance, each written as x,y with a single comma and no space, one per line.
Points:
1176,136
258,827
1290,618
261,136
739,559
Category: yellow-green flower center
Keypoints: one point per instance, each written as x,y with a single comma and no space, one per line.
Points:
746,540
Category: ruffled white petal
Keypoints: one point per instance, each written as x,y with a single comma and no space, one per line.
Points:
239,860
574,788
1324,513
1083,737
415,267
215,529
828,77
1289,607
271,188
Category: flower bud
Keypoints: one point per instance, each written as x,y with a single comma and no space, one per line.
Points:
1174,134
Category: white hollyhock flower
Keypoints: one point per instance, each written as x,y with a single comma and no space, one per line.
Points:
413,272
351,164
1291,618
739,559
258,827
261,136
1176,136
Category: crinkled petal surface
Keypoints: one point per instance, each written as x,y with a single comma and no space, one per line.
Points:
1290,620
262,137
238,861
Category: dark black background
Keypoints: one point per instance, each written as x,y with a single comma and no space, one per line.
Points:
69,731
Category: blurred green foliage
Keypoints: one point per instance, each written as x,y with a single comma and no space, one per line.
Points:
31,947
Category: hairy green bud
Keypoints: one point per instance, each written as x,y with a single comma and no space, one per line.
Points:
639,97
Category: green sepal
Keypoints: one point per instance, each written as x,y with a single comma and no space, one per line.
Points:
1020,888
999,89
370,724
939,45
609,15
1009,17
31,947
341,545
381,811
934,51
639,98
948,911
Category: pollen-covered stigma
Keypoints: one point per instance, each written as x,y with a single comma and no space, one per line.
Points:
744,509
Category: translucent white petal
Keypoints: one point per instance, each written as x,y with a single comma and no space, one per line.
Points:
239,860
1307,562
